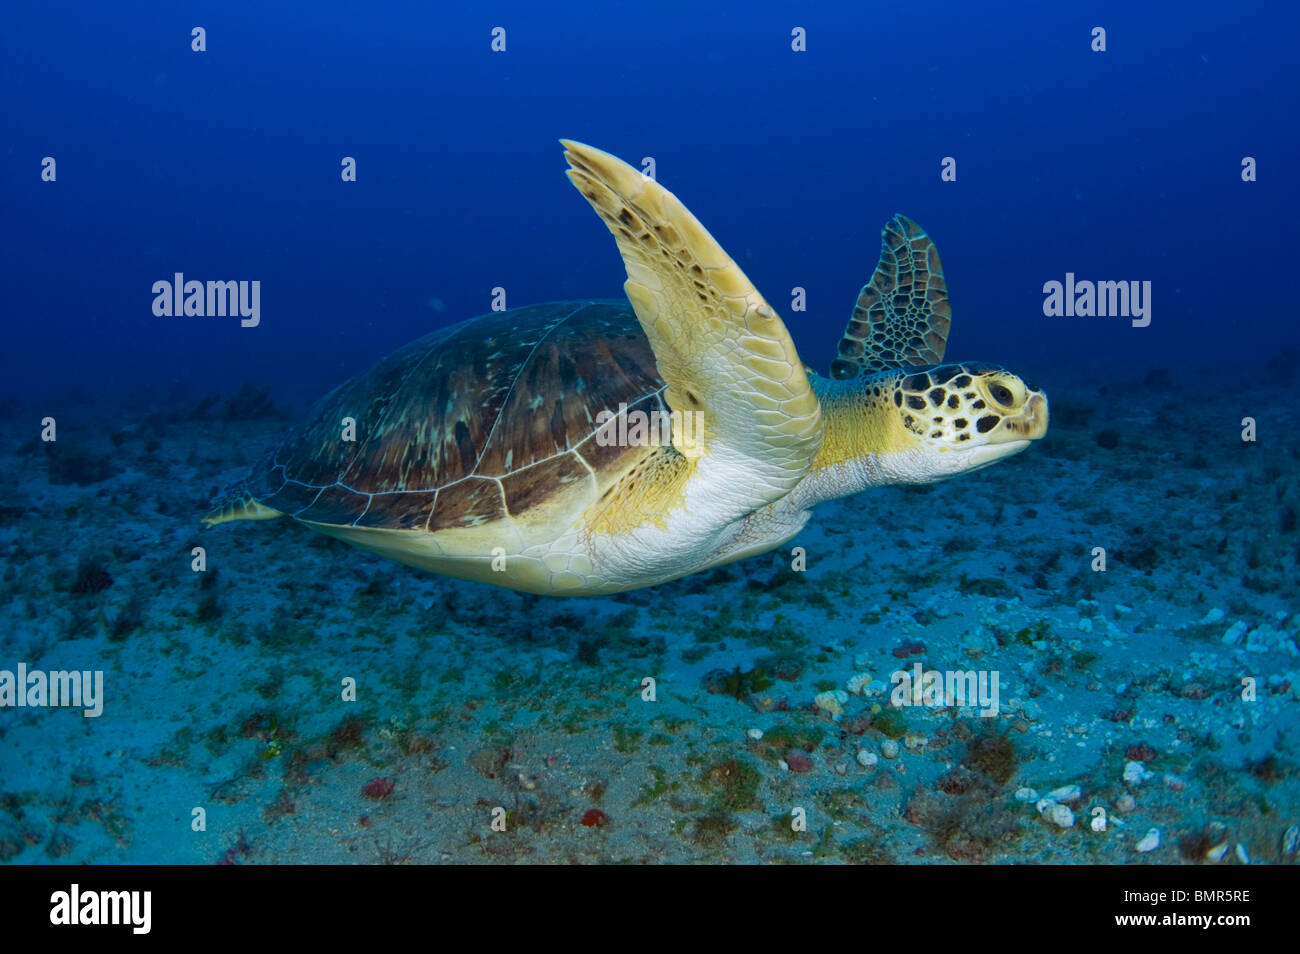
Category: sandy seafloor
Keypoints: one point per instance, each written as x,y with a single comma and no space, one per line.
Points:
223,688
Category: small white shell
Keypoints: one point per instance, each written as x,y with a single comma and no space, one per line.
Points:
1150,842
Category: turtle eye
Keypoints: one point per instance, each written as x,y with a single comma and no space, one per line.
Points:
1002,394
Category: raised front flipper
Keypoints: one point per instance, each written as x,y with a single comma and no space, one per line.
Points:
721,349
902,316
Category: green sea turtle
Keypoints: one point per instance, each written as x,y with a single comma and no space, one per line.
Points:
523,448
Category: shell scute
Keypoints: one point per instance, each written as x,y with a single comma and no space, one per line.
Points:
488,419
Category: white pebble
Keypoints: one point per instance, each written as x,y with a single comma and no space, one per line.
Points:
831,701
1122,610
1291,840
889,749
1085,625
1215,854
856,683
755,734
1234,633
1066,793
1241,854
1151,842
1135,773
1259,640
1125,803
1213,616
1061,815
867,759
1026,795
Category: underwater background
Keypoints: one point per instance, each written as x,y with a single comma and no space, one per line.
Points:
1157,695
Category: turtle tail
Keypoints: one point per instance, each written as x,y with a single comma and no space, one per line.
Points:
240,505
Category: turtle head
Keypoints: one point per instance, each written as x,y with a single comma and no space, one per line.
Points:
919,425
965,416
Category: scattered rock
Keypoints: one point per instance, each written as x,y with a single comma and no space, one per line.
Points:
1065,794
1135,773
798,761
1234,633
832,702
1141,752
1059,815
1150,842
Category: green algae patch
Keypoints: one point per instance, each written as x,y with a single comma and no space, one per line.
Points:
779,740
627,738
734,784
889,723
711,829
656,789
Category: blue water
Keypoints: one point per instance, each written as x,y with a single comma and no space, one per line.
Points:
224,164
1122,165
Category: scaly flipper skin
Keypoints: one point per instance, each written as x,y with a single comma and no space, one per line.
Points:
721,349
902,315
239,506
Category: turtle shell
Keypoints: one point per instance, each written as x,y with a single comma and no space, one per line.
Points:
472,424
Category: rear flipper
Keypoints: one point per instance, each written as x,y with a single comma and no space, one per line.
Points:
239,506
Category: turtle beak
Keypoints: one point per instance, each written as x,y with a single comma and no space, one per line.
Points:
1029,425
1033,419
1013,435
